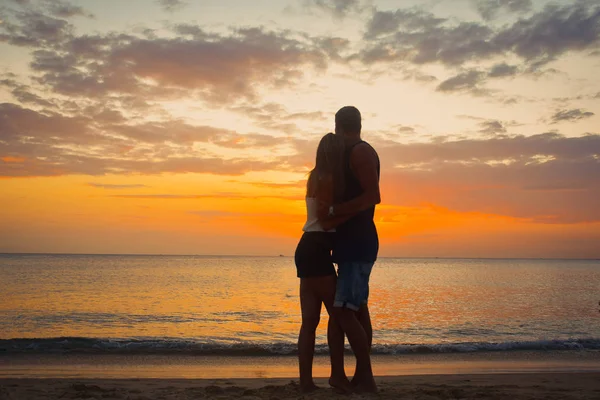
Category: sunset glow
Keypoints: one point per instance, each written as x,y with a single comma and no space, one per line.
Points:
188,127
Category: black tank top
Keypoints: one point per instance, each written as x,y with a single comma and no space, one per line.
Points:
356,239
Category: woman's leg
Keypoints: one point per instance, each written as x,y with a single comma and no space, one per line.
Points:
310,304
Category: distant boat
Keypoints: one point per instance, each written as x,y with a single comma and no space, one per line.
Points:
281,255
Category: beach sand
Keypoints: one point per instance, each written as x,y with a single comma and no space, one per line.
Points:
427,387
500,375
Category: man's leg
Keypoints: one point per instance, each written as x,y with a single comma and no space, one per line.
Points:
360,346
335,338
310,304
365,320
350,296
363,312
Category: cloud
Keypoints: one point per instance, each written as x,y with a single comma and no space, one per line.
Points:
279,185
421,38
472,80
332,46
165,196
215,213
552,32
503,70
386,22
53,144
57,8
57,165
501,174
489,9
114,186
34,29
236,215
547,178
219,68
63,9
24,94
216,67
276,117
548,192
220,195
21,123
524,148
492,127
338,8
404,129
172,5
465,81
570,115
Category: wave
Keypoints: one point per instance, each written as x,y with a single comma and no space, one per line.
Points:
63,345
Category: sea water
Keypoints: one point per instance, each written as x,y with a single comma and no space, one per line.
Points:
250,306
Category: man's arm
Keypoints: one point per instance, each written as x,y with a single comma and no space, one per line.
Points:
325,198
364,162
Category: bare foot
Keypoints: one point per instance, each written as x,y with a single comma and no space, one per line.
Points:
340,384
367,386
308,388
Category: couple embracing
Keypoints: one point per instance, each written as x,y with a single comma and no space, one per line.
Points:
341,194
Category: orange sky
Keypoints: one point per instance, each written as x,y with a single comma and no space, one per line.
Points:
202,215
130,129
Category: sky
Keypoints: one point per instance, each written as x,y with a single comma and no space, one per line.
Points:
189,127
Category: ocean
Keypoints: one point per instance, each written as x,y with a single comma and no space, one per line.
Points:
229,305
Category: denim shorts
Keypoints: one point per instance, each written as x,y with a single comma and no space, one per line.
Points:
352,290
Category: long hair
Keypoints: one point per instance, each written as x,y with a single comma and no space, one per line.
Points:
329,161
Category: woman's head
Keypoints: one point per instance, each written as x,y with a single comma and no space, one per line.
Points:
329,153
329,161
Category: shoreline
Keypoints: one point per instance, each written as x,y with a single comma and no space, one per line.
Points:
185,366
427,387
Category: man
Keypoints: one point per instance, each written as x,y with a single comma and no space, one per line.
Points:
357,242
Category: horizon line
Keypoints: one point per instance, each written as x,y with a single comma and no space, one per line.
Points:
288,256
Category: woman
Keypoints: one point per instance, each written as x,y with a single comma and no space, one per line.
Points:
315,267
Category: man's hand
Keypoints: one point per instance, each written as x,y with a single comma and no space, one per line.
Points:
323,209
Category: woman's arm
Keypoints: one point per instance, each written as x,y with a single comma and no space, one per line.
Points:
330,223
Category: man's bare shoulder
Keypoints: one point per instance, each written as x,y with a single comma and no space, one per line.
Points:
363,152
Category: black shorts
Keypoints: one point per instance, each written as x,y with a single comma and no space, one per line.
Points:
313,255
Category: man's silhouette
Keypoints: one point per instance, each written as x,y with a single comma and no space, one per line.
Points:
357,243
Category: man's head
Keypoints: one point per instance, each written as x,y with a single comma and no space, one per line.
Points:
348,121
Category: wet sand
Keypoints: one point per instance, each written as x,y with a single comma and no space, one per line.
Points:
524,386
